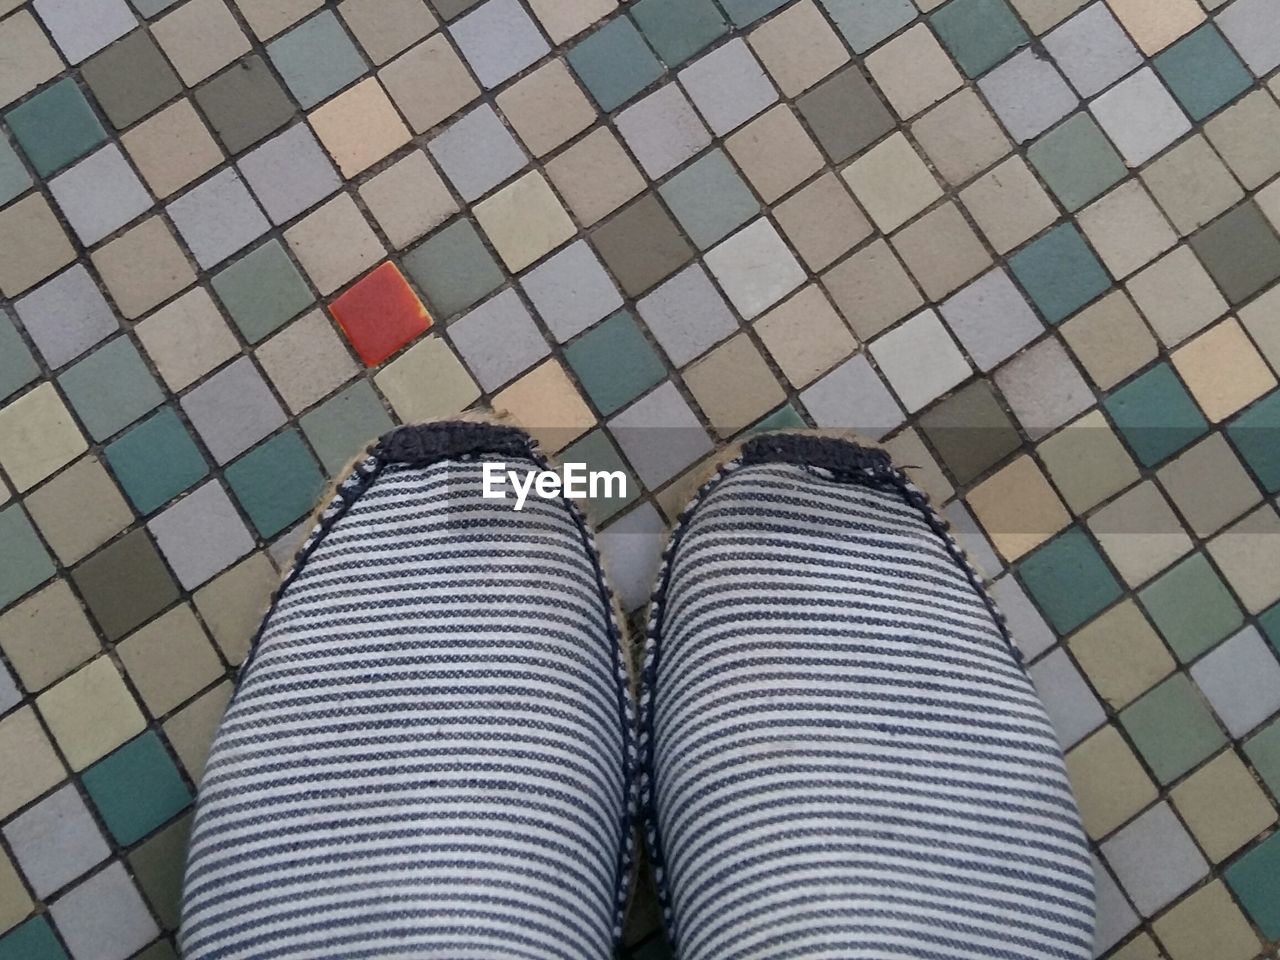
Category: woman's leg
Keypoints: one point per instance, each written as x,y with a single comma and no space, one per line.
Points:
843,756
428,753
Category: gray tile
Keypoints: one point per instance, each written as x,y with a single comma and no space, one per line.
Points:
687,315
755,268
1250,25
1155,859
662,130
1028,629
710,199
81,28
728,86
201,535
865,23
233,410
1028,94
1140,116
972,540
284,551
56,841
498,40
104,918
477,153
289,173
498,340
217,218
853,397
991,319
660,435
66,316
632,550
1071,705
1043,387
571,291
100,194
316,59
1093,50
1241,679
1116,918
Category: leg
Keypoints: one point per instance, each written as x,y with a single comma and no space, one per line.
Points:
843,755
428,752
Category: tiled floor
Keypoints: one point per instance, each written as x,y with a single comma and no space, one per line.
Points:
1030,243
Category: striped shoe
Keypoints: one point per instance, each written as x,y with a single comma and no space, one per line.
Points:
430,751
841,754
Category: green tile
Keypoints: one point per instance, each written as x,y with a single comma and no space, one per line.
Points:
678,29
1255,880
1060,273
746,12
1191,607
1256,436
1069,580
979,33
1263,751
710,199
156,460
1156,415
14,178
262,291
342,426
1172,727
1203,72
614,63
1241,252
136,788
32,940
597,451
785,417
17,366
615,363
277,482
453,269
158,865
1077,161
55,127
26,562
111,388
316,59
1269,621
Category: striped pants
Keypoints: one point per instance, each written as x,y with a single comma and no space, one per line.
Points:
434,750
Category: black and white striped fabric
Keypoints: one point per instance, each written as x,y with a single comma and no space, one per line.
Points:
843,757
430,751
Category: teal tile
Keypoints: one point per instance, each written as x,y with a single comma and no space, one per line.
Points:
979,33
136,788
27,563
1172,727
1263,751
453,269
1060,273
343,425
785,417
17,366
156,460
1203,72
1069,580
277,482
1155,415
615,363
710,199
55,127
1256,436
597,452
1191,607
614,63
746,12
1077,161
32,940
14,178
1269,621
111,388
864,23
316,59
262,291
1255,880
678,29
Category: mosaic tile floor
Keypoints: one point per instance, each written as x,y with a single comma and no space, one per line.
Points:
1030,243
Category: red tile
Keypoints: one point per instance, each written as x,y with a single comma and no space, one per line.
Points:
380,314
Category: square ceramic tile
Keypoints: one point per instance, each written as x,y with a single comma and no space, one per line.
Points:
110,388
755,268
316,59
268,17
614,63
232,410
1087,462
66,316
172,148
130,78
427,382
1241,679
961,137
660,435
498,40
709,198
200,535
678,29
340,427
23,740
156,460
1223,370
1043,388
641,245
845,114
217,218
14,178
359,127
453,269
1155,25
55,127
37,437
380,314
865,25
1177,296
1110,340
971,431
1009,205
1245,24
920,360
47,636
805,336
1207,923
1071,705
1122,656
1127,229
1060,273
200,38
941,250
306,361
822,221
1092,49
262,291
774,152
1109,782
979,33
990,319
1028,94
79,510
83,27
546,403
143,267
1069,580
1191,184
546,108
384,28
56,841
334,243
104,910
1018,509
498,340
1240,251
1077,161
99,194
662,130
913,71
125,584
571,291
1155,859
615,363
429,83
1252,434
90,712
1191,607
595,176
565,19
524,221
277,484
892,183
798,48
244,103
169,660
187,338
1246,553
871,289
1252,880
1209,485
289,173
31,58
686,315
1222,803
728,86
1156,415
1172,728
477,153
1140,533
1140,117
35,242
408,199
1245,135
1203,72
733,385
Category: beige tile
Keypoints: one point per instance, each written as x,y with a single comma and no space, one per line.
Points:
266,18
1154,24
1141,947
1191,184
822,221
546,107
805,336
1009,205
30,765
334,243
143,267
1087,462
233,604
595,176
1110,339
187,338
37,437
1259,318
1018,508
892,183
90,712
306,361
1247,136
46,636
941,251
1207,924
430,83
1043,14
15,902
1248,554
34,244
961,137
775,152
1268,201
917,462
1109,783
1126,228
172,148
169,660
383,28
427,382
200,38
190,730
408,199
79,510
733,385
524,220
359,126
913,71
871,289
798,48
1223,806
546,403
1223,370
1177,296
28,57
1122,655
1140,533
563,19
1209,485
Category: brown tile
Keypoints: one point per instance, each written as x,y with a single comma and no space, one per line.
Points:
1140,533
595,176
169,660
970,431
143,267
1109,782
1018,508
524,221
30,764
386,27
733,385
872,289
941,251
845,114
1223,370
334,243
1248,554
1122,655
1207,924
1223,806
172,148
774,152
79,510
1087,462
190,730
546,107
359,127
430,83
1209,485
798,48
125,584
805,336
90,712
187,338
46,636
961,137
642,246
34,243
1009,205
1110,340
822,221
546,403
